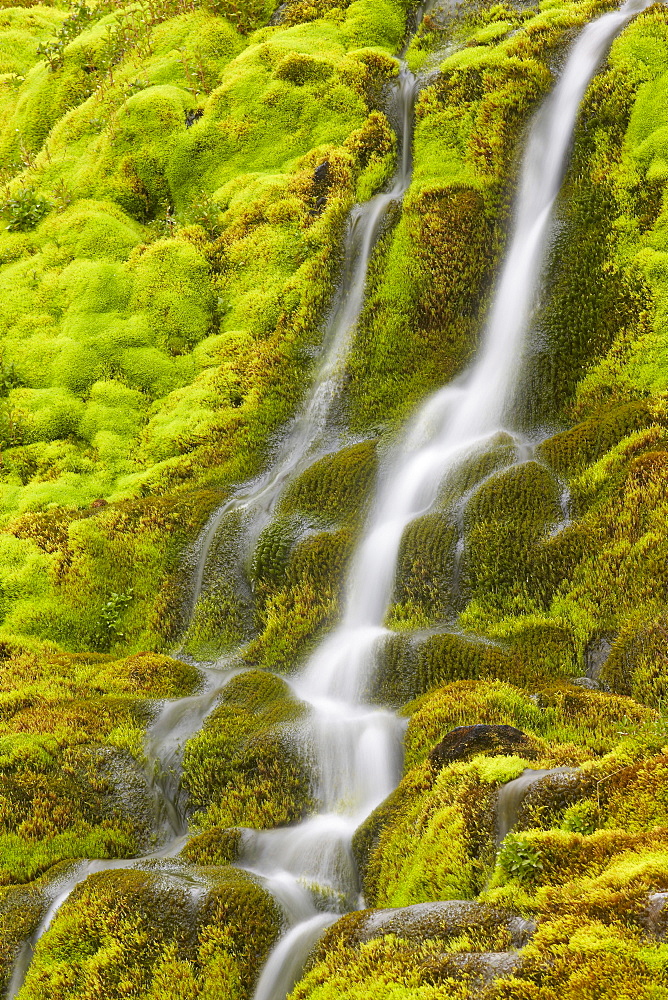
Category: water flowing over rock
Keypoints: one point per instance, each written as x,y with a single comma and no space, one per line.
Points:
354,748
357,765
512,795
443,921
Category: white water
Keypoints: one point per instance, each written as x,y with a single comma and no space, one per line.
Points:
173,726
305,436
357,748
180,719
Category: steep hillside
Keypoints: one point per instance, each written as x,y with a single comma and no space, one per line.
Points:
198,421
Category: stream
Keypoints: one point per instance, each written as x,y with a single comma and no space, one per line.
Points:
356,747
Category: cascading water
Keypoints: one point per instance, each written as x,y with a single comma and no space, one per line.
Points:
357,748
298,449
180,719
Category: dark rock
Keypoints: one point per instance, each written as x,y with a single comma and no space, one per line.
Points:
321,173
193,116
466,741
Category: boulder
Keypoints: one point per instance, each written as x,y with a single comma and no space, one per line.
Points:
467,741
488,965
321,173
596,653
443,920
655,916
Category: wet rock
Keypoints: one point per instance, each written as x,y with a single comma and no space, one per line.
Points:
540,798
587,683
278,16
466,741
444,920
596,653
655,917
486,966
512,795
321,173
521,931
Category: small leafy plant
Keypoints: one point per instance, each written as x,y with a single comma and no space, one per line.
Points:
110,629
25,210
53,52
520,860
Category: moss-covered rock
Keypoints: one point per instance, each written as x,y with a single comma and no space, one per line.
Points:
186,931
246,767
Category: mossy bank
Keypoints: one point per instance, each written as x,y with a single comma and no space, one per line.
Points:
177,182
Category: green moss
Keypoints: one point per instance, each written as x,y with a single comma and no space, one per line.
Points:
300,593
504,519
72,731
158,322
217,846
223,615
152,356
588,441
20,912
459,799
150,674
636,664
426,564
442,241
243,768
334,487
135,929
433,838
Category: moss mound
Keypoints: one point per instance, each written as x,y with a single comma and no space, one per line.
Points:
176,185
244,768
130,930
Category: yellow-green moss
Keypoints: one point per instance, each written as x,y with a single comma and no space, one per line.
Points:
243,768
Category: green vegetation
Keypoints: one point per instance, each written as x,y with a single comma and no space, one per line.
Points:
176,182
71,747
242,769
145,917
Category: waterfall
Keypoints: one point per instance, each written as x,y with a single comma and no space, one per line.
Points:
298,448
357,747
180,719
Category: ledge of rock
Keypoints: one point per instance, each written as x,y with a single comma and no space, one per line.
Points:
466,741
443,920
488,965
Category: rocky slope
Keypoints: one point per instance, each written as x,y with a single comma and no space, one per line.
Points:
178,180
